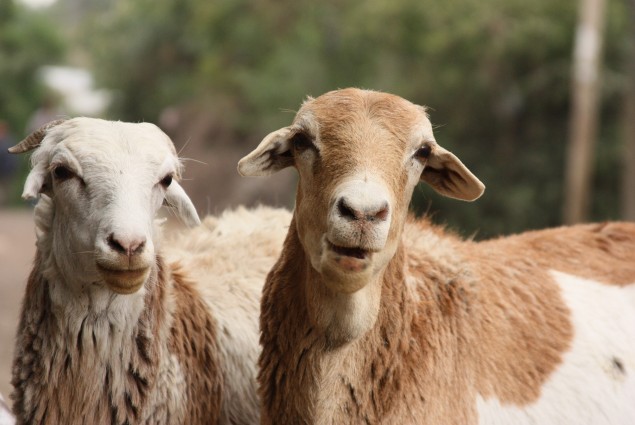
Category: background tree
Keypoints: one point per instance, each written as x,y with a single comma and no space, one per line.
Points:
628,126
587,56
28,40
495,75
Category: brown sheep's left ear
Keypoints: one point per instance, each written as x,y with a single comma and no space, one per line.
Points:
449,177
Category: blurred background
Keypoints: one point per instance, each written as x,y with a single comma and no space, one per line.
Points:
536,97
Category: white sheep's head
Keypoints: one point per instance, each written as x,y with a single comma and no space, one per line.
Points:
359,155
102,183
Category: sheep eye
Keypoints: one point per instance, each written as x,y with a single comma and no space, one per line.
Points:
301,142
423,152
62,173
166,181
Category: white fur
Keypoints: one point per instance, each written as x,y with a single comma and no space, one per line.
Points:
364,197
587,388
6,418
230,278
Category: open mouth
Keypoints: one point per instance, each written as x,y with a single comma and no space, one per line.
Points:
358,253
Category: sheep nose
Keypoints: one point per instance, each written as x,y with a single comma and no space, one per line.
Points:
349,211
128,245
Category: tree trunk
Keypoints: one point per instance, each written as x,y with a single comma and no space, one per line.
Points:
628,179
584,117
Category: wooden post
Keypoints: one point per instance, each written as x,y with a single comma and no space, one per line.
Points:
628,178
584,116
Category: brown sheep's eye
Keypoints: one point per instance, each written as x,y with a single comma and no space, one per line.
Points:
166,181
423,152
301,142
62,173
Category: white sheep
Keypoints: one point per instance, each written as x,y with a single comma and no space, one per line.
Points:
115,329
369,317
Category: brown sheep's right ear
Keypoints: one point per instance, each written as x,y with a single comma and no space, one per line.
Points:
272,154
35,180
34,139
446,174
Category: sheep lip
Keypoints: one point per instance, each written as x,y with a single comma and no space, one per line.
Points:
121,272
124,281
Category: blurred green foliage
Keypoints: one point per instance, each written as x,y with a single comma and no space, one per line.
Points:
495,74
28,40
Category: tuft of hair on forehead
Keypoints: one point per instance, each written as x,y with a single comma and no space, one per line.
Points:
352,101
106,136
332,111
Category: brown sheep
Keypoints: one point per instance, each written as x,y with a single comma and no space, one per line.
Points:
370,317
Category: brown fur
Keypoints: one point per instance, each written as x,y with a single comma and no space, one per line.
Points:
457,319
55,372
193,341
423,357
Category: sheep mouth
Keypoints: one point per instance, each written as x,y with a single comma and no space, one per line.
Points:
124,281
355,252
350,259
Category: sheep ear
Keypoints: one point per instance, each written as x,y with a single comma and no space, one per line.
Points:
37,176
449,177
34,182
272,154
176,197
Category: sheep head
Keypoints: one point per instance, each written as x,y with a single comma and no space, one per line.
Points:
101,185
359,155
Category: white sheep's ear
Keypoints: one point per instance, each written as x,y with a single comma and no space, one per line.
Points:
449,177
34,182
272,154
176,198
37,176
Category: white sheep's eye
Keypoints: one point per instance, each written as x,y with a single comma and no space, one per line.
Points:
62,173
166,181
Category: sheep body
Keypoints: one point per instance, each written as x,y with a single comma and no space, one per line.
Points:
466,333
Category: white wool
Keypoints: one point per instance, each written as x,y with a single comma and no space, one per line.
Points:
220,257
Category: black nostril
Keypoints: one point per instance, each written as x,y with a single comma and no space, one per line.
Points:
136,249
346,211
115,245
381,214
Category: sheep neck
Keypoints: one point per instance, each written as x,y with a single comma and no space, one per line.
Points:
304,378
74,358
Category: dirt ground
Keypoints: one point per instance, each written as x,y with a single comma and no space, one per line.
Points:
17,248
